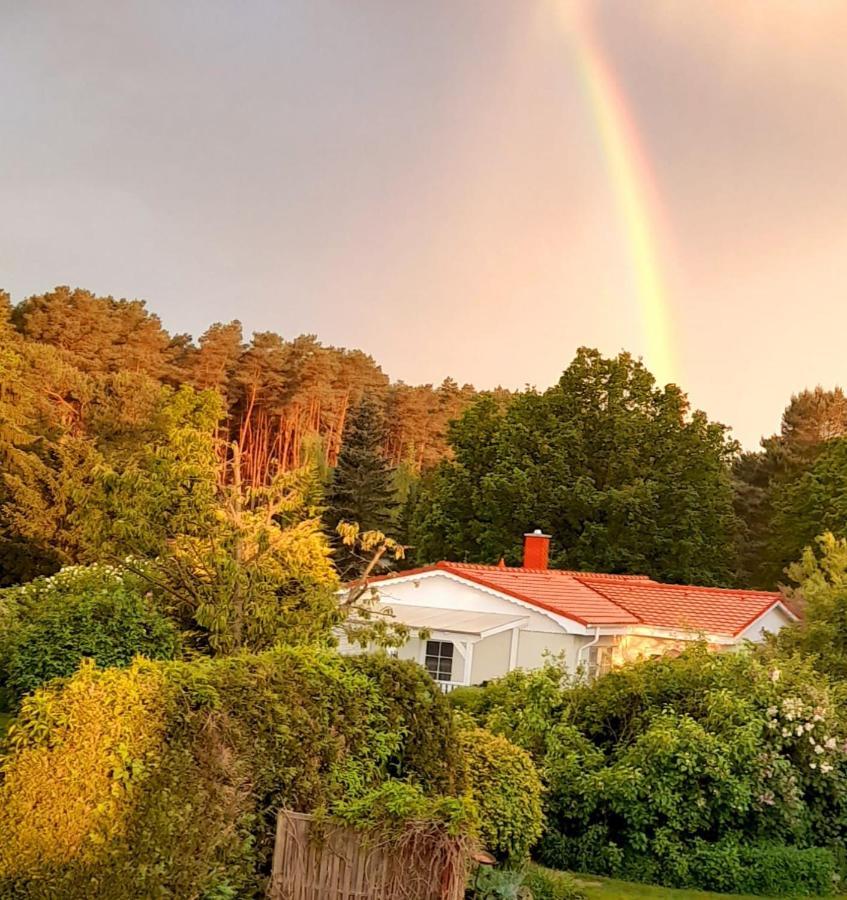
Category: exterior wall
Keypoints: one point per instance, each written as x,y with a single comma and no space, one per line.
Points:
542,635
414,649
772,621
491,657
633,647
533,645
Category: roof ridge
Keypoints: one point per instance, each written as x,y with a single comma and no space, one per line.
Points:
703,588
573,573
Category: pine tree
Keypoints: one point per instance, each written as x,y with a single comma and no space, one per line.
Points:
362,488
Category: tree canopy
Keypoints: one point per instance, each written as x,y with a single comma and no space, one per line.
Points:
622,475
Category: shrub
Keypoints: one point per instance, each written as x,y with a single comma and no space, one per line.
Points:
164,779
95,612
681,770
547,884
429,753
507,791
768,869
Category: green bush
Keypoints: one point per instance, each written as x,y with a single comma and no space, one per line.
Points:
506,788
429,753
768,869
733,865
685,771
164,779
547,884
94,612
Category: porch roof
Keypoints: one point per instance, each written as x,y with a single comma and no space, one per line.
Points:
458,621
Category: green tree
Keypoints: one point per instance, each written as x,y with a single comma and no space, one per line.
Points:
773,485
241,566
260,574
362,488
811,503
820,591
622,474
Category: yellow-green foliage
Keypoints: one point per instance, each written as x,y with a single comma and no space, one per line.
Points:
79,754
163,779
506,787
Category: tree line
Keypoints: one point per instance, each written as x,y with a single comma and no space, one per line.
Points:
115,436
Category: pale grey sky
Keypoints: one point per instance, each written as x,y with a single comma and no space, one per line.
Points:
424,179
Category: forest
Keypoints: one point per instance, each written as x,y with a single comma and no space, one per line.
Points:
622,472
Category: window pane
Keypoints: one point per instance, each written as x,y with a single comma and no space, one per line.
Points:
439,660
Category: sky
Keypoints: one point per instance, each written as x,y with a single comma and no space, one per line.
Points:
429,180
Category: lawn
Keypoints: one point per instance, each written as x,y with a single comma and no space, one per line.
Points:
597,888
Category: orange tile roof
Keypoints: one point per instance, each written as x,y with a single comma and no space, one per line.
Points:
551,589
593,598
706,609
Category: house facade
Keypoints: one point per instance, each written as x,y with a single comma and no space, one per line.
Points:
471,623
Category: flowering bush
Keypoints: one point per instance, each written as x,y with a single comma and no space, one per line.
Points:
668,769
97,612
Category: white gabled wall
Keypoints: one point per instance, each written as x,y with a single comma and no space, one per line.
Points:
440,592
771,621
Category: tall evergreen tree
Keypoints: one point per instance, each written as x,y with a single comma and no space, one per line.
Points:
362,488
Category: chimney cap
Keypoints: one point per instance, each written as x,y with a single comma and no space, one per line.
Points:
537,533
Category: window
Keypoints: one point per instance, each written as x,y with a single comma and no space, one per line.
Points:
599,661
439,660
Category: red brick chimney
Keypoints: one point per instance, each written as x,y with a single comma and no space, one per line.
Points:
536,549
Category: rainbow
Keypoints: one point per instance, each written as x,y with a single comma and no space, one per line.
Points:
633,186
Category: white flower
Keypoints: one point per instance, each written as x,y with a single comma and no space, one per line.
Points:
818,749
826,767
809,726
813,765
772,711
786,732
830,743
799,730
775,675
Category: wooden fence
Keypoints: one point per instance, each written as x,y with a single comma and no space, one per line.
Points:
339,863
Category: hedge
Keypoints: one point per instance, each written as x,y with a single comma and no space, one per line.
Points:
163,779
731,865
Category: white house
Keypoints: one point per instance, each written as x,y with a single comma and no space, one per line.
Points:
483,621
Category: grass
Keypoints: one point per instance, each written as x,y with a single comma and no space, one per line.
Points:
597,888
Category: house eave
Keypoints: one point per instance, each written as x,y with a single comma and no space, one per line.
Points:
567,624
